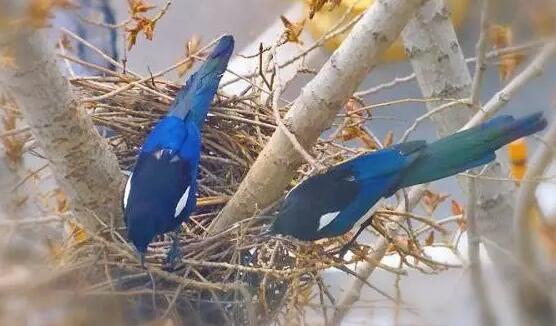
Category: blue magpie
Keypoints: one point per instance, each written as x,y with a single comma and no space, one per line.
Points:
160,192
330,204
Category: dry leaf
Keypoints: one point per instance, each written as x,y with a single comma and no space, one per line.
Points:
14,144
456,208
142,24
508,63
429,240
431,200
191,47
367,140
500,36
350,132
388,139
354,125
414,249
139,6
76,233
316,5
293,30
391,248
62,205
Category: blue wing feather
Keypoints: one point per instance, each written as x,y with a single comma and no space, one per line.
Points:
194,99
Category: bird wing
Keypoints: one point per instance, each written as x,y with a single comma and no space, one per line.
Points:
159,187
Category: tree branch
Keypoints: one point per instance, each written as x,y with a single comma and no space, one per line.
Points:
480,54
315,109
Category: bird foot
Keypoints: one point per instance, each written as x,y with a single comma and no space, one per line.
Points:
345,249
173,256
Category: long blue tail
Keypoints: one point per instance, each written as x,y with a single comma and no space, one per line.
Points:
194,98
470,148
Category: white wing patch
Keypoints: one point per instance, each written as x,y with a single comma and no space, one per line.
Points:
327,219
182,202
127,189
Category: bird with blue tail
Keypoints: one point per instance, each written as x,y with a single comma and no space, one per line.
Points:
330,204
160,193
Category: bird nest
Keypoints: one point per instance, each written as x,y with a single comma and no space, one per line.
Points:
242,275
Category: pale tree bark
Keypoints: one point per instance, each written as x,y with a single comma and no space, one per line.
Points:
82,163
315,109
439,65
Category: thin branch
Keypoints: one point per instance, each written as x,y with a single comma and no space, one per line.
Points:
480,54
275,96
427,115
492,54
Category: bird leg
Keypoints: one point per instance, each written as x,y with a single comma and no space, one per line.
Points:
174,253
351,241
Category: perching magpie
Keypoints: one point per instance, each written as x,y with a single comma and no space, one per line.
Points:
160,192
330,204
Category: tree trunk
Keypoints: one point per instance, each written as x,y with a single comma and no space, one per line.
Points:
83,165
439,65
